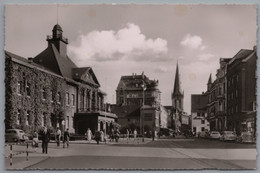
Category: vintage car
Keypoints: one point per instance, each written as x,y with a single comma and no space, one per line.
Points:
228,136
246,137
214,135
15,135
203,134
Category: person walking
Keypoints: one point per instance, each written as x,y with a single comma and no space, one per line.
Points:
66,139
101,136
58,136
135,134
45,140
127,134
89,135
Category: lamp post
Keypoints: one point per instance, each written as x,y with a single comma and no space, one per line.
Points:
144,88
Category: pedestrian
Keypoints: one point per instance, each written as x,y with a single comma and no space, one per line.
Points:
117,133
112,136
97,136
135,134
35,140
66,138
127,134
45,140
101,136
89,135
58,136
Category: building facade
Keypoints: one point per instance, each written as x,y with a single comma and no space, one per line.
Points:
217,94
50,90
199,121
139,91
241,90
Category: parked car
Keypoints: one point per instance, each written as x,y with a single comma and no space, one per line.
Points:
15,135
228,136
203,134
246,137
214,135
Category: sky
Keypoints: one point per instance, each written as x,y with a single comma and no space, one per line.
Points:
117,40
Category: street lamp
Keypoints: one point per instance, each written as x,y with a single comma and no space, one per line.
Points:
144,88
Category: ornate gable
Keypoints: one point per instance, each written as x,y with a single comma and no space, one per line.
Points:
85,75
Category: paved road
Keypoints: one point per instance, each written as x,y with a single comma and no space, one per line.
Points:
160,154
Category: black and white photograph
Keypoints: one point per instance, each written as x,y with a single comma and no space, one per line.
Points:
130,87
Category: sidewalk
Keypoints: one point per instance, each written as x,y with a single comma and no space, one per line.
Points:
35,156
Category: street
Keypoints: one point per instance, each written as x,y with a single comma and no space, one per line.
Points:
178,153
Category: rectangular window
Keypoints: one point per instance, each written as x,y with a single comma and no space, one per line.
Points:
19,87
236,93
27,118
44,94
67,122
236,108
27,88
59,97
202,129
67,99
202,121
18,120
73,100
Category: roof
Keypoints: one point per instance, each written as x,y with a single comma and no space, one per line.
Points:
177,86
198,102
51,59
126,110
243,53
136,82
57,27
85,74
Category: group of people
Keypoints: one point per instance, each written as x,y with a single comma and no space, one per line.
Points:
45,137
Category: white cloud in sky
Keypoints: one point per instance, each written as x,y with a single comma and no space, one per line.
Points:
161,69
206,56
126,43
193,42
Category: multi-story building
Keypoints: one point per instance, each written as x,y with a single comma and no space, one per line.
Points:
138,90
241,91
199,121
50,90
217,94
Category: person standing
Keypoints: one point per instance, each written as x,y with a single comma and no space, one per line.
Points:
89,135
58,136
45,140
66,138
35,140
135,134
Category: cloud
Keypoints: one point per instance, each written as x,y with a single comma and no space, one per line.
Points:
127,43
206,56
193,42
161,69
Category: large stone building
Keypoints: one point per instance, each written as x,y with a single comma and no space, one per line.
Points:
138,91
231,96
217,94
241,90
50,90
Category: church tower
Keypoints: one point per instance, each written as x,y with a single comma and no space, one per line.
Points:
177,95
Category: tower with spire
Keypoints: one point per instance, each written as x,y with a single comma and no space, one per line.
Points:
177,95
